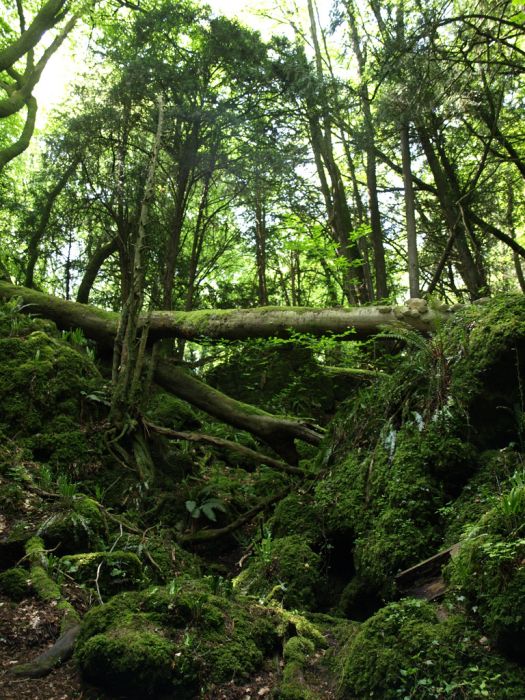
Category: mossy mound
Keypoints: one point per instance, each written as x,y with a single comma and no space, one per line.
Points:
112,572
77,525
495,470
489,570
161,557
403,450
45,389
285,569
385,504
14,583
171,412
295,515
40,379
177,638
404,651
296,652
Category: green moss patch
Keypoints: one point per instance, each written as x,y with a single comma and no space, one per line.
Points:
285,569
14,583
489,570
196,638
405,651
111,571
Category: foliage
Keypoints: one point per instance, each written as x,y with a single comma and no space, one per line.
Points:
403,651
488,572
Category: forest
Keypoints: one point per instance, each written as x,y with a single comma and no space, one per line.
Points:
262,350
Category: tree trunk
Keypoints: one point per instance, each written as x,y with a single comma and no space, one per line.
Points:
371,173
413,266
454,217
38,234
99,257
278,433
231,324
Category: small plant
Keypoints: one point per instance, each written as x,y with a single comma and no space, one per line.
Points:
45,477
264,547
205,507
512,503
66,491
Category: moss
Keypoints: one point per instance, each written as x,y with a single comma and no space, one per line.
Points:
14,583
294,515
405,651
359,599
489,570
162,558
287,569
45,587
298,649
78,527
381,507
135,662
295,654
171,412
213,639
113,571
495,469
42,384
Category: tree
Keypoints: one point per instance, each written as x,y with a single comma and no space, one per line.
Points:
21,68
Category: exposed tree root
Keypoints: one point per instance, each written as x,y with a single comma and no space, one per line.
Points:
61,651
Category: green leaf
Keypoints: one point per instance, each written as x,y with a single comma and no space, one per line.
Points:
190,506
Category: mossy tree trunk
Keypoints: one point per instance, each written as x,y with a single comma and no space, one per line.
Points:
128,352
233,324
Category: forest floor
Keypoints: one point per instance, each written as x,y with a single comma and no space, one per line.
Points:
29,627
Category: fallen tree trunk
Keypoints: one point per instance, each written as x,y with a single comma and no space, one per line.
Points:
233,324
279,433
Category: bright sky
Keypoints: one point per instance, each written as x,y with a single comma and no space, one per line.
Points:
63,66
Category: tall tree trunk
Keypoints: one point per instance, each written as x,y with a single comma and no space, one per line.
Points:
260,248
371,170
454,216
413,265
339,215
126,360
183,190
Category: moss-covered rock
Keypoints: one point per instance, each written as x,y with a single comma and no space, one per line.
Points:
400,454
111,571
385,504
14,583
489,570
295,515
77,526
161,557
37,376
495,469
195,637
133,662
405,651
285,569
169,411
